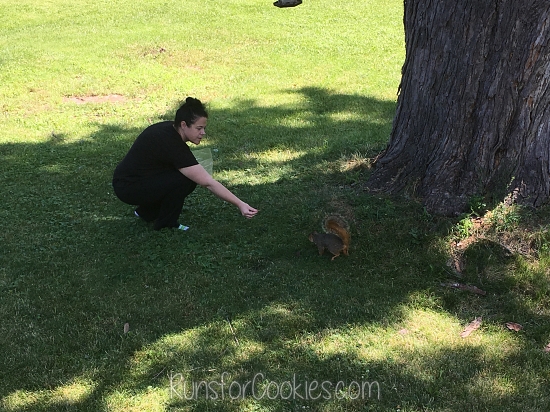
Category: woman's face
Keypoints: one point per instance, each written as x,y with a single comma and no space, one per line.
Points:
195,132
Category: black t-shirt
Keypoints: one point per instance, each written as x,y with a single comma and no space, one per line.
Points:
157,149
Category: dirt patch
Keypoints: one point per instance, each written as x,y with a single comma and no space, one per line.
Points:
110,98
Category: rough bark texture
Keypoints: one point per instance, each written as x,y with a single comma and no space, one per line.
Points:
473,114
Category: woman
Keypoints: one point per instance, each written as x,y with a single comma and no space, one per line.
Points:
160,171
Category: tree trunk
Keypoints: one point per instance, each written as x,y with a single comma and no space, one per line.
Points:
473,113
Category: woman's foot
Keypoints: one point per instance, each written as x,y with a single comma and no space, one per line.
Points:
140,213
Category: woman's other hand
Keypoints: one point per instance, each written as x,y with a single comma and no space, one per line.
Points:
247,211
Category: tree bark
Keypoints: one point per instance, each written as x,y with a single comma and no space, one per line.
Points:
473,113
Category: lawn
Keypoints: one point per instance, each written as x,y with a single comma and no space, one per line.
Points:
101,313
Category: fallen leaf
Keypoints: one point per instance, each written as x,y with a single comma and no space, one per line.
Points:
514,326
403,331
126,327
547,348
475,324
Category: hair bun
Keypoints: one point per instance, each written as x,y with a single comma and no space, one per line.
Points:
190,111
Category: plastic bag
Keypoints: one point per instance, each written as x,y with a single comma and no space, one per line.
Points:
204,157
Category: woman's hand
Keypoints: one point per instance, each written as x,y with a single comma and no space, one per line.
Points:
247,210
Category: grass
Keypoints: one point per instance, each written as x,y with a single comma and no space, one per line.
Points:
300,102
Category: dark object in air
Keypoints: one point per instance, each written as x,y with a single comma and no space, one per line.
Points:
287,3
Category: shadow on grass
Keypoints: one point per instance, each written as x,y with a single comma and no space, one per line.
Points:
237,296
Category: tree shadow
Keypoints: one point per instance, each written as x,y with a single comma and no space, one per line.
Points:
236,297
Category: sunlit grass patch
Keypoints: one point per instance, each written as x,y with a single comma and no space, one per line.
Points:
275,156
149,399
64,396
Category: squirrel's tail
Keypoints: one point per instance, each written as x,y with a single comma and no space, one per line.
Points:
337,225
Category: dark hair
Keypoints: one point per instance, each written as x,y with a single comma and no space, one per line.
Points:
190,111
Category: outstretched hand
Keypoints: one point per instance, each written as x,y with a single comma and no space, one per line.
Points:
247,211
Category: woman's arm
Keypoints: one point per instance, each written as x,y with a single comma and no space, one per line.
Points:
201,177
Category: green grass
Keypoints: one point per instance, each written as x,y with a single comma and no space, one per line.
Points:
300,101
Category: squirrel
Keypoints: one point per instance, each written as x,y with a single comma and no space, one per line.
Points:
336,241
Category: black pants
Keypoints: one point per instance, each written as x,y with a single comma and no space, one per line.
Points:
160,198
